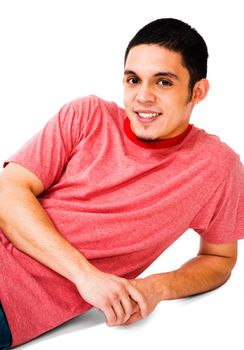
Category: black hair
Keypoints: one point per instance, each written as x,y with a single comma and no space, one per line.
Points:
177,36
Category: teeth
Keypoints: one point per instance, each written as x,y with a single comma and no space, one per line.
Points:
148,115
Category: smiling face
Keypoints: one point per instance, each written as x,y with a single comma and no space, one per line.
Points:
156,92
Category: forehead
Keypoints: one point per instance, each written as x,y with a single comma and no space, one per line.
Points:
148,59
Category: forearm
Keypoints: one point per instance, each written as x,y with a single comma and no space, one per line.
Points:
200,274
28,227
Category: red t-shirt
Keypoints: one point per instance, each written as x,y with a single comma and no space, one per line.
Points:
118,200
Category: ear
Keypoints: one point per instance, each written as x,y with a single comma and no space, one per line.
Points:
200,91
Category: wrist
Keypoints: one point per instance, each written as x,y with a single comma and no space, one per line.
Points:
163,285
80,270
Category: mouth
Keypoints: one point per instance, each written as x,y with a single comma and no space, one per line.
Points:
147,117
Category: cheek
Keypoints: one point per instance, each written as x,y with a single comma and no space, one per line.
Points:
128,98
173,103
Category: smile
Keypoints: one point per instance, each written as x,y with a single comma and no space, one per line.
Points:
147,116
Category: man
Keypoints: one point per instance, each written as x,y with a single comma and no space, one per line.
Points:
97,195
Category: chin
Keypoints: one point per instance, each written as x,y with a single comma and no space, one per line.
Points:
147,139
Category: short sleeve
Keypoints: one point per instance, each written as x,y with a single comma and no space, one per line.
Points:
47,153
221,220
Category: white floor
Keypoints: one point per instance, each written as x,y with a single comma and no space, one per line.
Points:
210,321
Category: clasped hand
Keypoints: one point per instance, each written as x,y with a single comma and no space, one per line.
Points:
122,301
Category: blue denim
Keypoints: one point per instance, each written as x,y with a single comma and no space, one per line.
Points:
5,333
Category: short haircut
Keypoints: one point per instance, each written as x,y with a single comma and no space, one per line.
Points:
177,36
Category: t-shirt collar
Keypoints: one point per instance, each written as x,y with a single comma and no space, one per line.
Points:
155,144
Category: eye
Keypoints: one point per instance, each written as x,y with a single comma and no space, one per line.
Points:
164,82
133,80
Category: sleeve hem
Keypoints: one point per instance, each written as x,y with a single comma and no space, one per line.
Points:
29,168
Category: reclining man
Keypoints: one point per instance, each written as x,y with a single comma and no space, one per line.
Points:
96,196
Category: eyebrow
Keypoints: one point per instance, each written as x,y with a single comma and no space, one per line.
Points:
159,74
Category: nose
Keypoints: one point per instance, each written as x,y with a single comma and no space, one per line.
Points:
145,94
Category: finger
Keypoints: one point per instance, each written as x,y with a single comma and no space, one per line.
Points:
139,299
119,312
135,308
128,306
136,316
110,316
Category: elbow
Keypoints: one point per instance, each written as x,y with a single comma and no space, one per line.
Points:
226,268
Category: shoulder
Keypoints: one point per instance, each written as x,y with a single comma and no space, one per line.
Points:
92,113
94,104
217,155
81,110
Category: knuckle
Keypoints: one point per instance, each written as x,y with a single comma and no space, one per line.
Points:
106,303
114,297
121,288
117,290
125,283
110,321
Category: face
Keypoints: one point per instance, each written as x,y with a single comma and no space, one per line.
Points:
156,92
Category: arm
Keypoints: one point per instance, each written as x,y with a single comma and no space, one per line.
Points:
208,270
28,227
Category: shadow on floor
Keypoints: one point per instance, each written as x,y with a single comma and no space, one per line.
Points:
90,319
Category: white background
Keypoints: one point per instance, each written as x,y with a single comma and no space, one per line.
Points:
55,51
